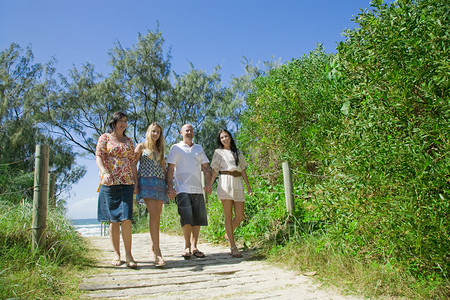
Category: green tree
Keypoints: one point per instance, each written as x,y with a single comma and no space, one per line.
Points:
23,86
242,86
142,77
78,110
199,99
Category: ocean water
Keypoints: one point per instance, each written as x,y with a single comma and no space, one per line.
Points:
87,227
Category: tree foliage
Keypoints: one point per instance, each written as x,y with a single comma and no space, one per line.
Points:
23,87
141,75
199,99
139,84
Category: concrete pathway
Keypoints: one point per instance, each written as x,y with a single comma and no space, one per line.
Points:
217,276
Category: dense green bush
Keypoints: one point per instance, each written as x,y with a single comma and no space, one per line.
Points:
395,134
367,133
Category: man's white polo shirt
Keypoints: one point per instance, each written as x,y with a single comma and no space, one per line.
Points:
188,167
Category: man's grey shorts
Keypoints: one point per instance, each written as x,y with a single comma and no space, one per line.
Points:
192,210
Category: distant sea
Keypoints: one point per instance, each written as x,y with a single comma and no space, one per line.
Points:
87,227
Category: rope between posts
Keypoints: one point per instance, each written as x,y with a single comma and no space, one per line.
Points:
268,174
295,171
18,161
17,192
259,192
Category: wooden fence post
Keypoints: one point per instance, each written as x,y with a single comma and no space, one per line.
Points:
104,226
40,201
51,190
288,189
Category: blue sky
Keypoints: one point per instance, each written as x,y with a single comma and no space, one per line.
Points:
205,33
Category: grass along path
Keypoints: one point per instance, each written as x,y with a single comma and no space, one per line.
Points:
216,276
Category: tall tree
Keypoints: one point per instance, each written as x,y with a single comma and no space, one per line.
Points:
241,87
199,99
79,110
142,76
23,87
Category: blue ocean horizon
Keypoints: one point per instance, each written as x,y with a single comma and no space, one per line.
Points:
87,227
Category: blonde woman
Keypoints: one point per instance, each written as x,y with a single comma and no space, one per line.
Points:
152,188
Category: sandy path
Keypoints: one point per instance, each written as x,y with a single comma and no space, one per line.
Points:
217,276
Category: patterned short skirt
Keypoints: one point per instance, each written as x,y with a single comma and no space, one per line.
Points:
152,188
115,203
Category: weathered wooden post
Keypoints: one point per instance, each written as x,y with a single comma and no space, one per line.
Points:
205,194
51,190
288,188
40,201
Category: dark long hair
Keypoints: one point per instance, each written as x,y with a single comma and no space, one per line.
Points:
114,119
233,147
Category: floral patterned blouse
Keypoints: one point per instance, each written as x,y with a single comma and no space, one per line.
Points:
117,158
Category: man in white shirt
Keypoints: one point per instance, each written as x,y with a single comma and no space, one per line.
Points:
186,161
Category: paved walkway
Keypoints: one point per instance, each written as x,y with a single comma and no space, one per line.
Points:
217,276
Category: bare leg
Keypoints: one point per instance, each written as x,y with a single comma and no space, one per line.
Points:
238,214
127,240
187,231
154,208
194,237
228,213
232,223
114,233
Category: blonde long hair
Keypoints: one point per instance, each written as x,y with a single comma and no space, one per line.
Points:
156,148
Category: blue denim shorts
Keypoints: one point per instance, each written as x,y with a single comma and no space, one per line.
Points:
115,203
192,209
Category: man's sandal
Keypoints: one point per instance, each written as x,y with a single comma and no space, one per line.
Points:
198,254
186,255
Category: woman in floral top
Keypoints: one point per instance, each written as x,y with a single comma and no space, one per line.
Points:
115,160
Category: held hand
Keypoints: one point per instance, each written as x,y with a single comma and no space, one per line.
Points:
136,189
208,189
107,179
249,192
171,193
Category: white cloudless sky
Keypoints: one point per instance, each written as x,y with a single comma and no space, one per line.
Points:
205,33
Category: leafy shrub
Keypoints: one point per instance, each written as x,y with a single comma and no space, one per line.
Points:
367,134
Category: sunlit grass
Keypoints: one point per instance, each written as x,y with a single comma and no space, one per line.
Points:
334,267
50,273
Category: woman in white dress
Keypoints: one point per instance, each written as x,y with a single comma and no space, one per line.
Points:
229,163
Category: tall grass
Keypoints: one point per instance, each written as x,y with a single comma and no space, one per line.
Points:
45,274
170,221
